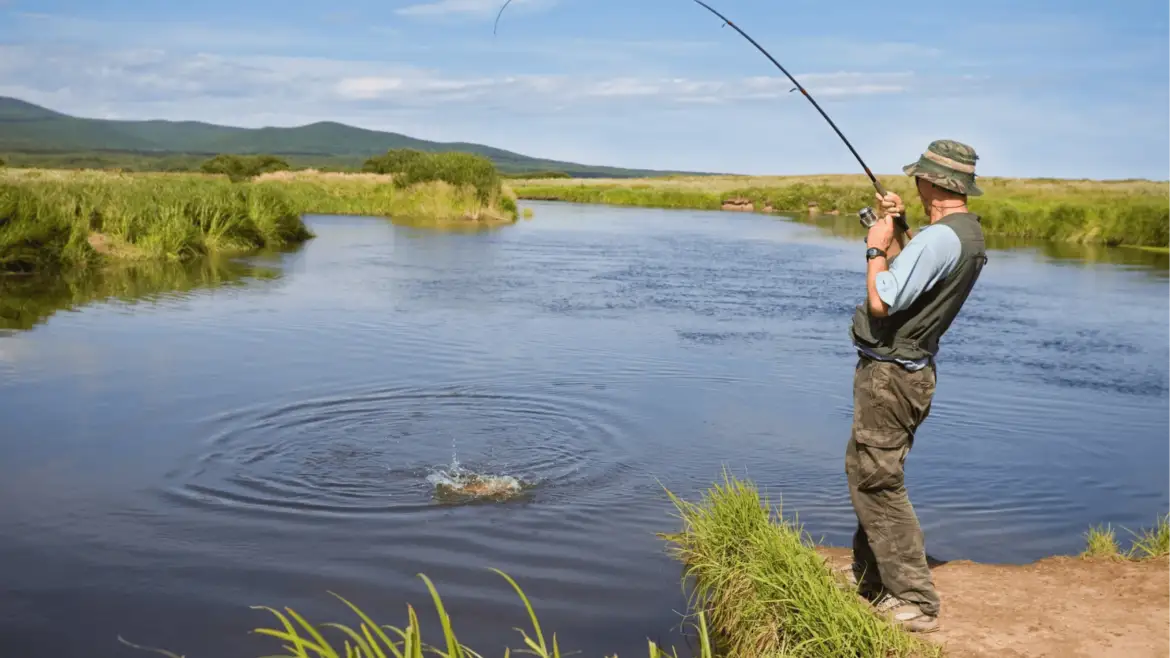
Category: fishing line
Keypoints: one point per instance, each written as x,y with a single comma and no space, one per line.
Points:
800,87
867,215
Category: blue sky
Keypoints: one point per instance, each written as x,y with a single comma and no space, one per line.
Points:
1064,89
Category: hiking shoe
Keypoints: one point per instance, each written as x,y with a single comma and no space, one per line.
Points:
906,614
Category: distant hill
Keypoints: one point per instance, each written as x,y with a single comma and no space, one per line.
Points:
42,134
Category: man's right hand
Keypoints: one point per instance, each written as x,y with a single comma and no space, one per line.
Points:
891,203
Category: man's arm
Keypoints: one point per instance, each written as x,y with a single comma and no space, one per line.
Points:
877,306
928,258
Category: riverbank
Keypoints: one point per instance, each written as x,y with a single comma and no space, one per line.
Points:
761,587
766,586
51,219
1097,212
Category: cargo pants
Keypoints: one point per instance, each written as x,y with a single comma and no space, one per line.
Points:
889,554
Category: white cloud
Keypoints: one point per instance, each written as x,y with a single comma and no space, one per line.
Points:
613,115
142,77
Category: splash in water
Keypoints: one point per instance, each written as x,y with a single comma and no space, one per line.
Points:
456,483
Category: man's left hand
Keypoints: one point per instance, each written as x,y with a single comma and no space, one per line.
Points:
881,234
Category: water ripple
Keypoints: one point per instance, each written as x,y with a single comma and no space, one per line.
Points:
376,452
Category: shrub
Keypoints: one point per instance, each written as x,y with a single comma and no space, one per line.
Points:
242,167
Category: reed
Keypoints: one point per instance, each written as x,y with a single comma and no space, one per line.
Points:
767,592
300,638
377,195
53,219
1147,543
1151,542
1097,212
1101,542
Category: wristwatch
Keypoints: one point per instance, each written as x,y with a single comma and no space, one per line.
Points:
874,252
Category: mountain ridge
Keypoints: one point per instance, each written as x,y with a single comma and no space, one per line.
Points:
29,128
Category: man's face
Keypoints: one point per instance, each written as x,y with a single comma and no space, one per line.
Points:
923,193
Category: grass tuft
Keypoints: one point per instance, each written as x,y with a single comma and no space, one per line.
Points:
1149,543
1101,542
1152,542
765,589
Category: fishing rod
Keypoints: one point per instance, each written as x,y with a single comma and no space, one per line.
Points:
868,218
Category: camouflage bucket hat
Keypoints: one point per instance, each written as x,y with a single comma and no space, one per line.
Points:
948,164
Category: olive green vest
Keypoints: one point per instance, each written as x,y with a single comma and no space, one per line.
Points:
914,332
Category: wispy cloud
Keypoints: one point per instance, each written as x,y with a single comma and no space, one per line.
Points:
148,75
465,7
1082,94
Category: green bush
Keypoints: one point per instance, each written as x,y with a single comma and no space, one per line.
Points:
394,161
243,167
409,167
533,175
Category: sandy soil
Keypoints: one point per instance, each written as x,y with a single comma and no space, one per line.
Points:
1061,606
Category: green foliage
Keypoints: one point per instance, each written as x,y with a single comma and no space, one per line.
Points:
432,202
47,223
1152,542
394,161
239,168
410,167
1101,542
176,162
508,204
3,162
538,174
1118,214
645,197
766,591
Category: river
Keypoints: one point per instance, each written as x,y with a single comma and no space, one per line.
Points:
262,433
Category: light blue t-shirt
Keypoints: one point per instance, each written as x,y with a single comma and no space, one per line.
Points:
925,261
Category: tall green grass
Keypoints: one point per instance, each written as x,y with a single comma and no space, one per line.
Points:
617,195
1101,542
301,638
435,201
1147,543
767,592
1152,542
1109,213
53,222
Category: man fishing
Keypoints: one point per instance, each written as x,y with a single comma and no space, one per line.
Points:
914,290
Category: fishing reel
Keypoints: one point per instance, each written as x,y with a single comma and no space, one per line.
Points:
868,218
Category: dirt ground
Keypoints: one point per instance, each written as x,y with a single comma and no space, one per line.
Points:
1060,606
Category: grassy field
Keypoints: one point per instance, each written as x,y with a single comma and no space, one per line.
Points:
52,219
1097,212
